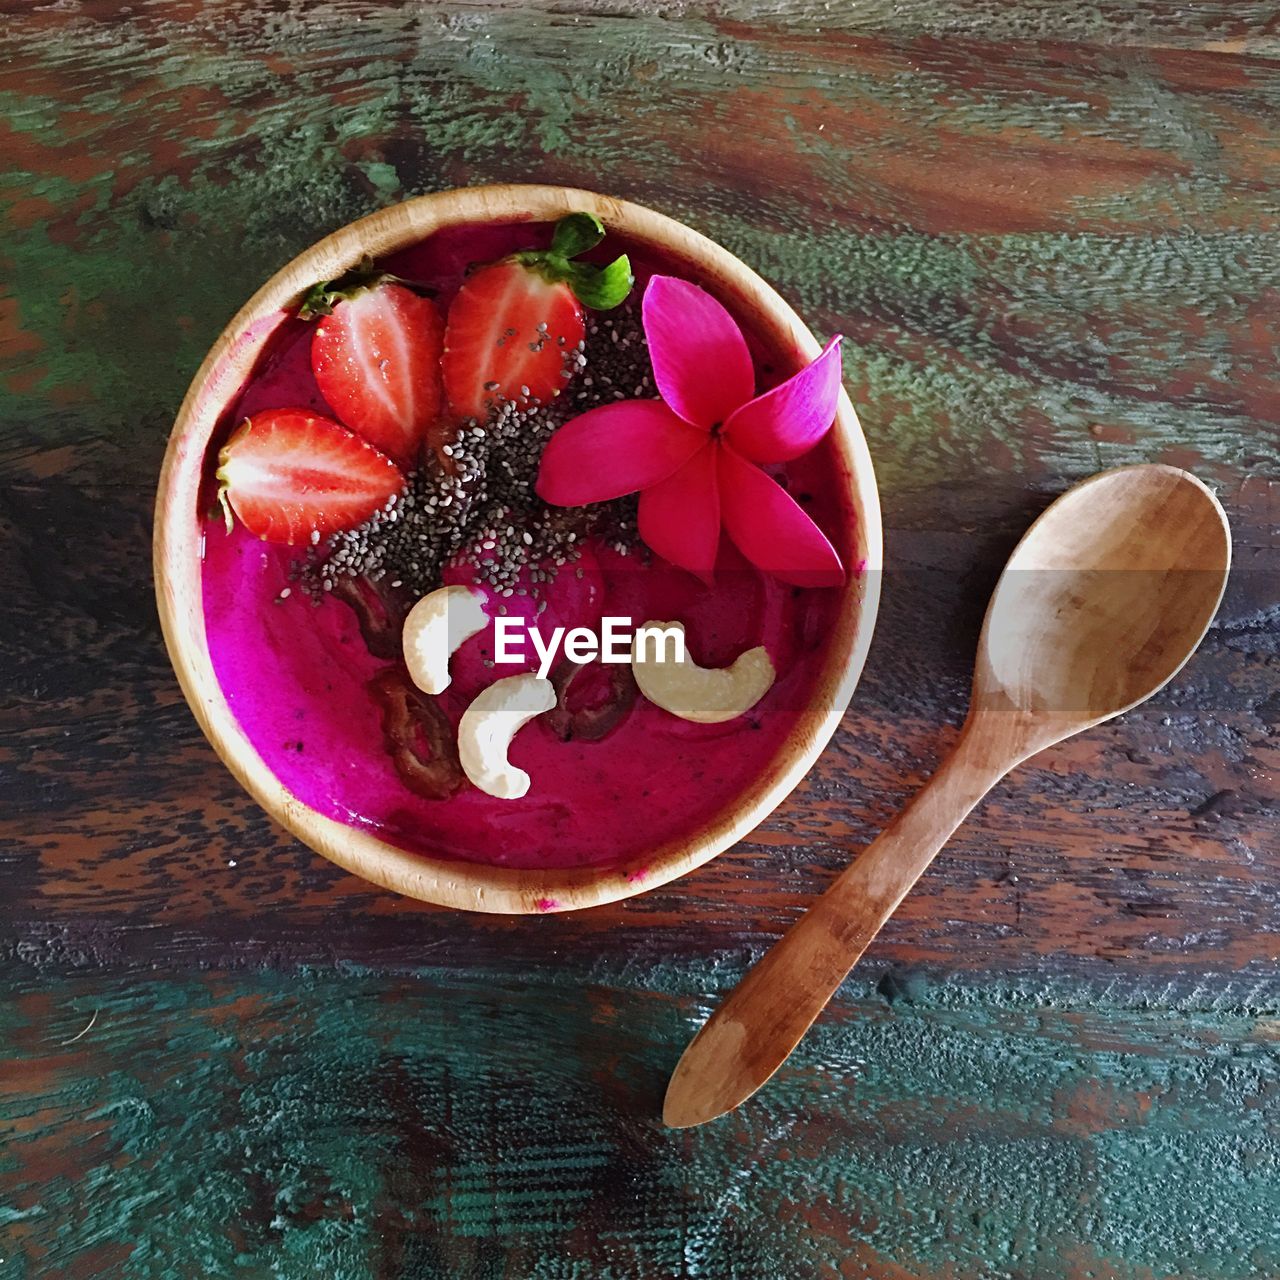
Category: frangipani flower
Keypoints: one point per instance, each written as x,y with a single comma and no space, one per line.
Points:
695,455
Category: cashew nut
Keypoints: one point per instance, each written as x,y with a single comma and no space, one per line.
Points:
487,726
707,695
434,629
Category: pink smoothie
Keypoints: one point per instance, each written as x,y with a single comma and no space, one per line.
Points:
295,674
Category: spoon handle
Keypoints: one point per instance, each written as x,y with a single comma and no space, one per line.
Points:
751,1034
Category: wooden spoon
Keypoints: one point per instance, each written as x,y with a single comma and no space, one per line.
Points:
1104,599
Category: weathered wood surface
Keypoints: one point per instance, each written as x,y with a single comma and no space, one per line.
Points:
456,1124
1051,234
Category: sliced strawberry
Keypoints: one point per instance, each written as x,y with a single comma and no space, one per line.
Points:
288,473
494,346
515,325
376,358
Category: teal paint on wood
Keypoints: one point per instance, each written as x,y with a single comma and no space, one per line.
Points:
431,1124
198,174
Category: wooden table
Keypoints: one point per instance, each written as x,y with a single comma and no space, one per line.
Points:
1050,234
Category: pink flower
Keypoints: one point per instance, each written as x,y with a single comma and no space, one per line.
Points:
694,455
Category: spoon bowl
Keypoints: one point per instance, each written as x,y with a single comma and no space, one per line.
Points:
1101,603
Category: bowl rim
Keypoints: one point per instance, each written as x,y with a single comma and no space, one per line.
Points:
179,530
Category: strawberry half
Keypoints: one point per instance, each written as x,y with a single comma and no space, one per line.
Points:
515,325
376,357
288,473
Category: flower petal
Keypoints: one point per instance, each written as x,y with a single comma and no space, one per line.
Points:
680,516
770,529
612,450
792,418
700,359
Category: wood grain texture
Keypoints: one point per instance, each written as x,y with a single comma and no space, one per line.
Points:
446,1124
1051,235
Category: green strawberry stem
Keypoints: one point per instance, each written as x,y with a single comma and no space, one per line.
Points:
223,485
225,504
599,288
321,298
575,233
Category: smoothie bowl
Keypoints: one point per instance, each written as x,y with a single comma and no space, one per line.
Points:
517,548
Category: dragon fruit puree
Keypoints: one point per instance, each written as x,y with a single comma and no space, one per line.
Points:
295,672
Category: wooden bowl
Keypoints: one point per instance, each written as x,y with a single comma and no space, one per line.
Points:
179,529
